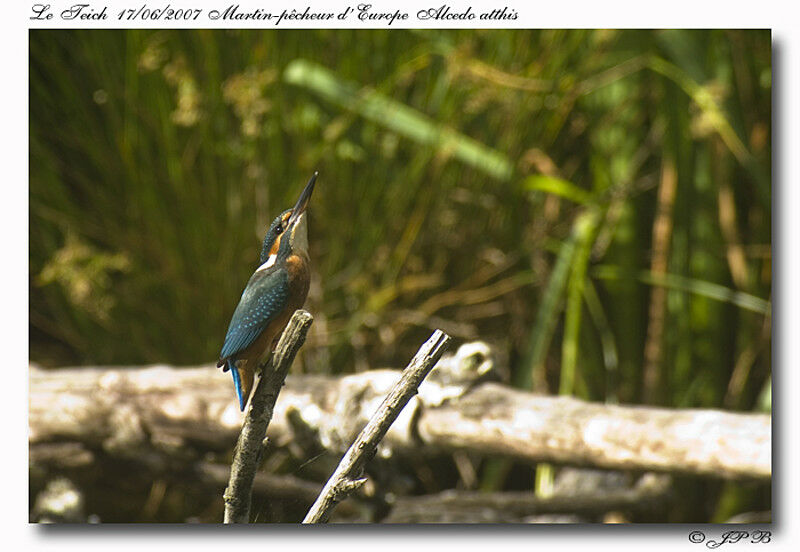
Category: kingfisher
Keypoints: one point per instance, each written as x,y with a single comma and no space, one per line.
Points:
276,289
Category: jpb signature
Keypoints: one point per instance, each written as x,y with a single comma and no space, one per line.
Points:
732,537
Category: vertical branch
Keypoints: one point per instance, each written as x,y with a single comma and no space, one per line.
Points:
259,414
347,477
662,234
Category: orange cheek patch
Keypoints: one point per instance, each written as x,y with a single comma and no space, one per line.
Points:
276,245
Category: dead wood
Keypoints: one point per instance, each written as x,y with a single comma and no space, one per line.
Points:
180,414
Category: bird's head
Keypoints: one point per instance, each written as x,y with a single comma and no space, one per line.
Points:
289,231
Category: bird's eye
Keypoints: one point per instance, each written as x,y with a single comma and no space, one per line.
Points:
279,229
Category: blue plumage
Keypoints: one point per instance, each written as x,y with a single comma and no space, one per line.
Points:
237,382
264,298
266,295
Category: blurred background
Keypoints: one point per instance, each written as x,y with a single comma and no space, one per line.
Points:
594,204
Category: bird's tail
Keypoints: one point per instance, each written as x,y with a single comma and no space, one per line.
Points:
243,382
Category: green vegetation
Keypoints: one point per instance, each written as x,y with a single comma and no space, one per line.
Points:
594,204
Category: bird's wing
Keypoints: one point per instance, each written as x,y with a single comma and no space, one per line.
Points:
266,295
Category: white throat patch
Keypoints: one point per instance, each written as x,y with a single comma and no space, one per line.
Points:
270,261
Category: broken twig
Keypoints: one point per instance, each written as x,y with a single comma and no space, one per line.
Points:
347,477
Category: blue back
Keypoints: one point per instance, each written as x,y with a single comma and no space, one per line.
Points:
264,298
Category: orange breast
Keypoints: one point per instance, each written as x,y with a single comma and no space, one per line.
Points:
299,277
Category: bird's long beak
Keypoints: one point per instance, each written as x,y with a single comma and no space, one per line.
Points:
302,201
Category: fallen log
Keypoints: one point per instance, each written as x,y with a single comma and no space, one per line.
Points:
168,412
650,492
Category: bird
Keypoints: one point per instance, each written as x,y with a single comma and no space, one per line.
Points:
276,289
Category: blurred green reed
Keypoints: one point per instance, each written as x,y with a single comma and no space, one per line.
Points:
593,203
503,185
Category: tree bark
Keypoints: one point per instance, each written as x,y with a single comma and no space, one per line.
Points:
498,420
